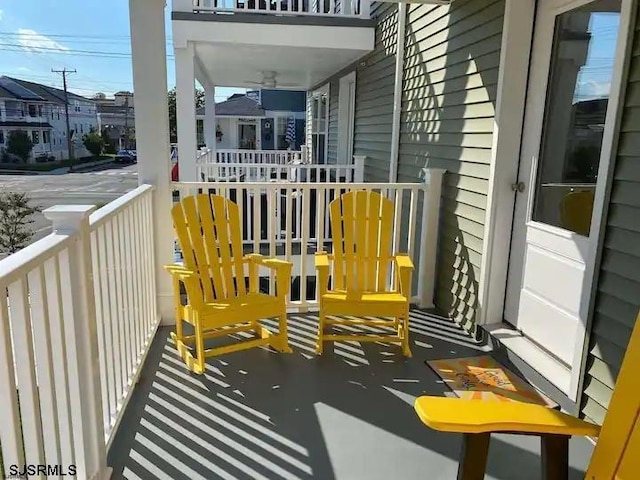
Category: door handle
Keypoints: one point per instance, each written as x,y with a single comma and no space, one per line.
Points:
517,187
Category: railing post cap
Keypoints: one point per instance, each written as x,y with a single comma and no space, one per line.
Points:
67,218
431,174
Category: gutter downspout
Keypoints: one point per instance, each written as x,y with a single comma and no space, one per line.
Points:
397,94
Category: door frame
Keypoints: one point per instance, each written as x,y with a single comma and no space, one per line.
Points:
513,76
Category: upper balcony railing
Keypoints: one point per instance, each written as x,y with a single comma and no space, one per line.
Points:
324,8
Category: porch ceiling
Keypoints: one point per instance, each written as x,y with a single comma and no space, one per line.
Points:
345,415
298,68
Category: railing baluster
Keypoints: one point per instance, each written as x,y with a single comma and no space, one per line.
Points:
303,246
272,215
114,309
59,349
25,368
288,234
11,431
100,324
411,232
42,350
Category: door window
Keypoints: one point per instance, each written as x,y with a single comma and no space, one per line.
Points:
582,65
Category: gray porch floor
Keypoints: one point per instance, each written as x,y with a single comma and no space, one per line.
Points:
347,414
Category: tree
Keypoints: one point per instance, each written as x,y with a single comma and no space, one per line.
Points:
15,217
20,144
171,99
93,142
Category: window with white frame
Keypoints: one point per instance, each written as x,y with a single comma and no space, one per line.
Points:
46,136
35,136
1,136
319,111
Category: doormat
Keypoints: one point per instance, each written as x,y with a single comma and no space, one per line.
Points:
483,378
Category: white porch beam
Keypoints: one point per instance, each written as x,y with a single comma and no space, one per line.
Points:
210,118
152,133
397,94
186,112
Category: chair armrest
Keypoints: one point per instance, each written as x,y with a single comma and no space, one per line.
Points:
180,271
321,261
403,261
191,282
478,416
404,273
282,268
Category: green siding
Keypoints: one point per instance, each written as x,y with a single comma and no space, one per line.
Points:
448,106
374,96
618,288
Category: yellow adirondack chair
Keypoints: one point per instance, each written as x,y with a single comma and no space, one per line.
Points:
219,302
362,224
617,452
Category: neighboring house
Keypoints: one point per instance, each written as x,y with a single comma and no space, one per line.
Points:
536,124
39,110
258,120
116,118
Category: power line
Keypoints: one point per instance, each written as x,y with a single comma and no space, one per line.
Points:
34,49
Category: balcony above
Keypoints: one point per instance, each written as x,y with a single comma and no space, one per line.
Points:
303,41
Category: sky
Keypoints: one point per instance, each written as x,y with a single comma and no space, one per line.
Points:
91,36
594,78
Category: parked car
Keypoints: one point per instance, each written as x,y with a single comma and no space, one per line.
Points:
124,157
135,155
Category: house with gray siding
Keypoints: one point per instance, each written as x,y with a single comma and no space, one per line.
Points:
476,88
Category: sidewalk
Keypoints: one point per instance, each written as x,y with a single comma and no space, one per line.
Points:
58,171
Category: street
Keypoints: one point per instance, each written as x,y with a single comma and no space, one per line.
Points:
98,187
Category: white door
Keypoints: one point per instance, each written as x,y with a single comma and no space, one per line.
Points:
562,162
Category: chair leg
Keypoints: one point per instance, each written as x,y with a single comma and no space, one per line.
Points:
320,340
473,459
406,349
282,339
555,457
198,367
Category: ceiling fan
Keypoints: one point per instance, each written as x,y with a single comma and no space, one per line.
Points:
269,81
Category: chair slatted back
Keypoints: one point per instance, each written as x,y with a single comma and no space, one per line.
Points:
361,225
617,452
210,236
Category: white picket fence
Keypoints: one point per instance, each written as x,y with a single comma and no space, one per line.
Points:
77,315
291,221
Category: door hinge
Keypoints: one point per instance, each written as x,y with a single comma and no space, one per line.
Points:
517,187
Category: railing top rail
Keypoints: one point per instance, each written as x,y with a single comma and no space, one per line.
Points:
300,185
240,150
17,264
100,216
318,166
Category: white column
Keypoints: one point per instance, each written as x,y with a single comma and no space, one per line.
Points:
210,118
429,236
81,339
358,173
186,112
397,93
152,133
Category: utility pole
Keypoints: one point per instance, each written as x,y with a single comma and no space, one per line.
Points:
64,73
126,122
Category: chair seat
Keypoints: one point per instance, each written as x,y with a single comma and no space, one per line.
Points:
364,297
244,301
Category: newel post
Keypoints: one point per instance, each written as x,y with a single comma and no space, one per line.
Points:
358,173
429,236
81,339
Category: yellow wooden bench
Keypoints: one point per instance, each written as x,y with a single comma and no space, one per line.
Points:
617,452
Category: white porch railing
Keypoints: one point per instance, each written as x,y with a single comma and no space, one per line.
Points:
290,220
77,314
327,8
271,157
251,172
